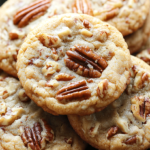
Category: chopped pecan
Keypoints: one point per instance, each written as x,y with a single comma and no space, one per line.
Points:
54,54
49,131
112,131
49,41
84,62
32,137
13,36
147,60
74,90
82,6
102,87
5,94
89,80
140,107
111,14
64,77
25,15
131,140
69,141
86,23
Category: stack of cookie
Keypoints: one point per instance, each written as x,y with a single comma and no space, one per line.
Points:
69,62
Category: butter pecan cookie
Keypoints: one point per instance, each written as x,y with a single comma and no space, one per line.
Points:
18,17
24,126
125,123
126,15
137,39
74,64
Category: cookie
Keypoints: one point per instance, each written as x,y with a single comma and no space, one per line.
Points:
74,64
20,17
137,39
24,126
124,124
126,15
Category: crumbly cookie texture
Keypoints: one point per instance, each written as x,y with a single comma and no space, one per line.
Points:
125,123
74,64
18,19
126,15
24,126
137,39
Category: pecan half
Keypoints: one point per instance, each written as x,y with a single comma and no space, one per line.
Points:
32,137
64,77
82,6
84,62
75,90
140,107
112,131
25,15
131,140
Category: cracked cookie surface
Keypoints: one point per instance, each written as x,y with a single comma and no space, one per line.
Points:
124,124
126,15
24,126
74,64
18,19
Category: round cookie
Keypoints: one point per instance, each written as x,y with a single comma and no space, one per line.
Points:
16,22
25,126
126,15
124,124
74,64
137,39
145,56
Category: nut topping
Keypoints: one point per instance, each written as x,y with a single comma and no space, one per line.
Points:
112,131
74,90
84,62
13,36
82,6
69,141
147,60
140,107
32,137
64,77
49,131
131,140
25,15
102,87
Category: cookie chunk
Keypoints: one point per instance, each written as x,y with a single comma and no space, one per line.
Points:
19,17
124,124
137,39
24,126
74,64
126,15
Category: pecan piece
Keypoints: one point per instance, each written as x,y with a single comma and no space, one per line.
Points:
112,131
64,77
84,62
69,141
140,107
82,6
24,15
13,36
49,131
147,60
131,140
75,90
